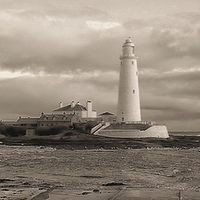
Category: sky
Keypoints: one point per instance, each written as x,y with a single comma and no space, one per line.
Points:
62,50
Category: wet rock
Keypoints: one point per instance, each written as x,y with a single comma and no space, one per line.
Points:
85,193
26,183
113,184
175,171
41,196
92,176
96,191
4,189
4,180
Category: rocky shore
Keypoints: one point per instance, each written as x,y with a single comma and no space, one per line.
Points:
76,140
79,166
39,173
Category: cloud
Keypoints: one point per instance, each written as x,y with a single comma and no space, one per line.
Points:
9,74
34,41
97,25
169,67
166,43
171,98
29,95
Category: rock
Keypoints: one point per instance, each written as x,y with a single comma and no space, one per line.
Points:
175,171
113,184
85,193
96,191
25,183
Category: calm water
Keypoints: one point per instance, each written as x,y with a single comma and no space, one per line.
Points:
185,133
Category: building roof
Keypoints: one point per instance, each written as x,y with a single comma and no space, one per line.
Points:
105,113
56,117
77,107
27,120
7,121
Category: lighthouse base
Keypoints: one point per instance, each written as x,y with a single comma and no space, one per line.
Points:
131,131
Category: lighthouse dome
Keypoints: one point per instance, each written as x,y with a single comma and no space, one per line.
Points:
128,42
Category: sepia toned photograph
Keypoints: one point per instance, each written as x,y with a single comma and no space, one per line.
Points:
99,100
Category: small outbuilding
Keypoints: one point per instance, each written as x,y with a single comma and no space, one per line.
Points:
107,117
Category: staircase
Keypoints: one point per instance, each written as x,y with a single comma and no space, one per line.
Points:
99,127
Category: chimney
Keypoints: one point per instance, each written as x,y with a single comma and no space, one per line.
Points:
89,108
72,104
60,105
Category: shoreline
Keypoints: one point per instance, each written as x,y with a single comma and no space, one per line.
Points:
85,141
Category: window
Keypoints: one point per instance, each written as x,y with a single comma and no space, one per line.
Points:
122,119
132,62
133,91
121,62
33,124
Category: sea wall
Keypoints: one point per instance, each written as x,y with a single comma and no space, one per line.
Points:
156,131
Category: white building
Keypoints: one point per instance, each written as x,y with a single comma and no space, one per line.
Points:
76,108
128,96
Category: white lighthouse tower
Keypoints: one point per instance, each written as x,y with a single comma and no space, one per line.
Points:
128,96
129,124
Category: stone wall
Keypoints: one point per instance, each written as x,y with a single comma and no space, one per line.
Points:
157,131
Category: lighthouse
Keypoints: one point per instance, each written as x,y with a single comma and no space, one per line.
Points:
128,109
129,124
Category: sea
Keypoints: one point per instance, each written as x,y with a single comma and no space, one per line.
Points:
184,133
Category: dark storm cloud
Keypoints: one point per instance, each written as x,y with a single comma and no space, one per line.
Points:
31,95
168,116
170,96
177,84
183,84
